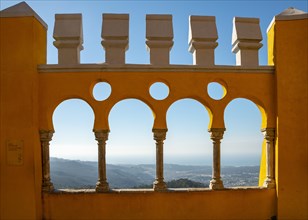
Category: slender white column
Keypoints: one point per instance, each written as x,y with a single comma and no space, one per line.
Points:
45,138
216,136
269,136
159,137
101,136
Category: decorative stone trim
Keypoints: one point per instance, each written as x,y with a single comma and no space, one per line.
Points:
115,37
101,136
246,38
159,38
202,39
269,136
55,68
68,37
159,136
45,138
216,136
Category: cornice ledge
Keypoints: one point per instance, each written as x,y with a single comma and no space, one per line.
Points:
56,68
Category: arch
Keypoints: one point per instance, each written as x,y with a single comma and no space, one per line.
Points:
199,100
58,102
73,140
130,140
260,105
144,101
188,141
242,142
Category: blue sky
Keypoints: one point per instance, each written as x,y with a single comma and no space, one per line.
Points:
131,139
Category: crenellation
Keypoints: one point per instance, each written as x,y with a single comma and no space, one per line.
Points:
68,35
159,38
246,38
115,37
202,39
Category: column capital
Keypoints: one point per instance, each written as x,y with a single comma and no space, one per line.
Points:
46,135
159,134
216,133
269,133
101,135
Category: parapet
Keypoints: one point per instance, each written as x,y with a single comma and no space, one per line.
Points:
202,39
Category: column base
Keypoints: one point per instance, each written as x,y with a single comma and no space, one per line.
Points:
47,187
216,184
102,187
269,183
159,186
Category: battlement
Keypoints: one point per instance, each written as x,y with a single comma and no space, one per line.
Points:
202,39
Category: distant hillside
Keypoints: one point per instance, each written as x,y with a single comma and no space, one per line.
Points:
179,183
83,174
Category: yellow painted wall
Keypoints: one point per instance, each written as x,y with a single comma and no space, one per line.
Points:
225,204
290,56
23,46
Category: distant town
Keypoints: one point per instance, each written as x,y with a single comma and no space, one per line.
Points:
76,174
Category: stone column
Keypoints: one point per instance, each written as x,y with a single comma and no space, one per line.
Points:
269,136
159,137
216,136
101,136
46,137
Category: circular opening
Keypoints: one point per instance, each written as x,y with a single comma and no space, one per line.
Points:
101,91
159,91
216,91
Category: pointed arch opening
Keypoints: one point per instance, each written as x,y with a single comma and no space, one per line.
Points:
130,151
242,144
187,150
73,150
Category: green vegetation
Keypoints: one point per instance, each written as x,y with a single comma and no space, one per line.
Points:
179,183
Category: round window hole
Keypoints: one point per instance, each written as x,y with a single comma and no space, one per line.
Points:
101,91
216,91
159,91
